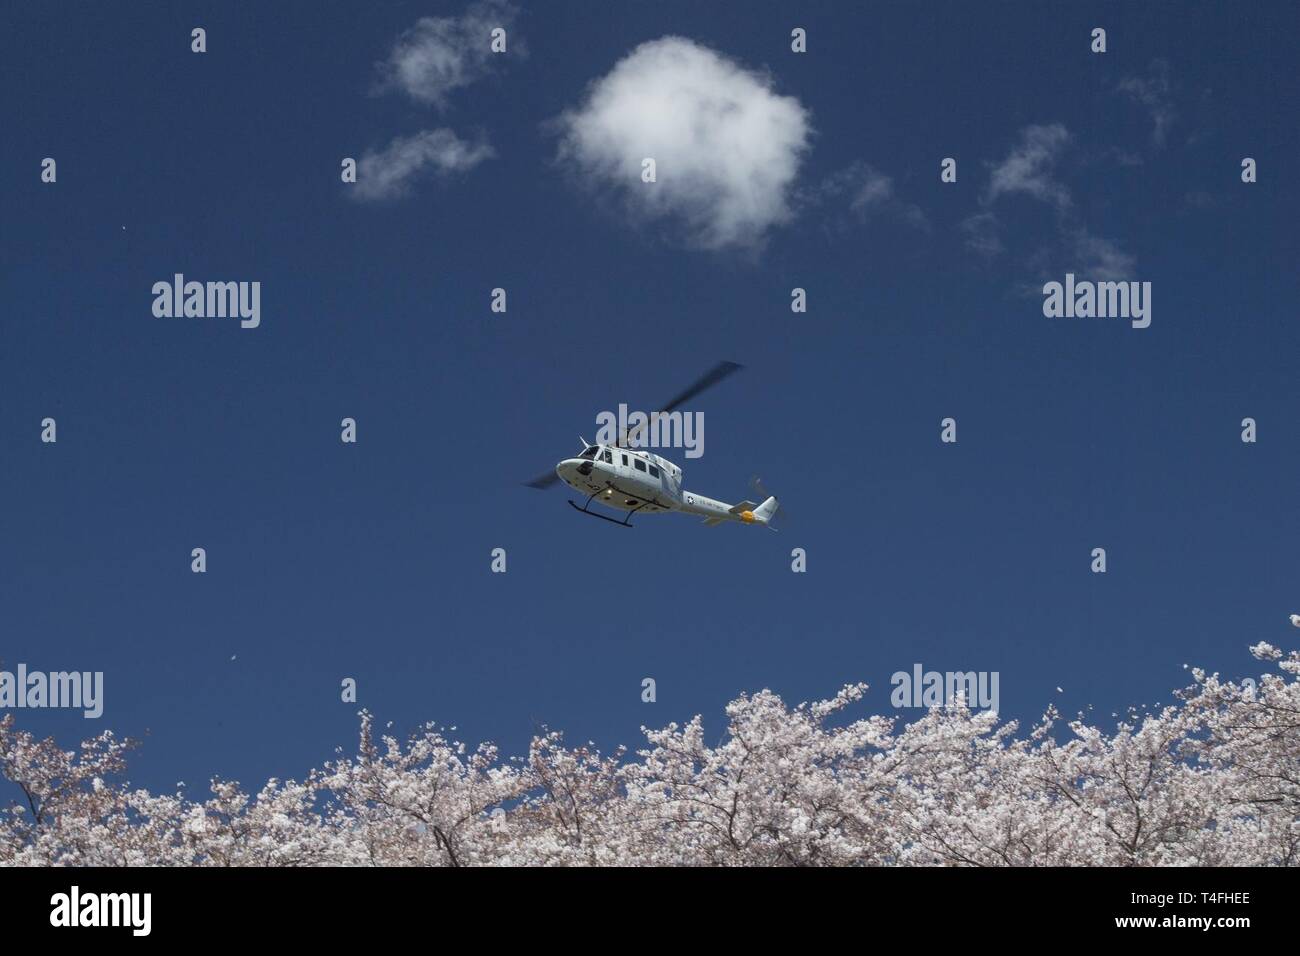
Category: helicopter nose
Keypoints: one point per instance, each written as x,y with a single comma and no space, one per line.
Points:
577,467
568,469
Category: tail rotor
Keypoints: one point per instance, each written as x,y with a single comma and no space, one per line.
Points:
778,518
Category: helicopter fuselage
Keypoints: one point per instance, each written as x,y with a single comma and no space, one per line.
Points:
630,479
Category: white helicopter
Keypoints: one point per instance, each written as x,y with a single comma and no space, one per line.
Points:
632,480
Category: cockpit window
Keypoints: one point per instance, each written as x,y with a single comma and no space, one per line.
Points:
590,452
607,457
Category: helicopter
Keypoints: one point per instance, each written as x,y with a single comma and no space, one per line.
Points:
630,479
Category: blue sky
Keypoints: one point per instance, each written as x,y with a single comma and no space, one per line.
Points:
371,560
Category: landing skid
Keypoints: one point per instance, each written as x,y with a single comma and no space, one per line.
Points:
596,514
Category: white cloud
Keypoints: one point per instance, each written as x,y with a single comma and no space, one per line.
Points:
1152,93
727,148
981,231
430,60
390,172
441,54
1100,259
870,193
1029,167
866,187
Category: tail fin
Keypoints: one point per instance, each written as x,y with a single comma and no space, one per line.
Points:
766,511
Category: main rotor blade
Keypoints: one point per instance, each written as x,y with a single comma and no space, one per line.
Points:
710,378
543,481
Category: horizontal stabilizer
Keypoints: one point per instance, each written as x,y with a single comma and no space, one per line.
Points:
743,506
713,522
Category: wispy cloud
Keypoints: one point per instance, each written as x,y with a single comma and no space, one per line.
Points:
391,172
1030,167
1152,92
1098,258
982,234
727,147
867,186
865,192
441,54
429,61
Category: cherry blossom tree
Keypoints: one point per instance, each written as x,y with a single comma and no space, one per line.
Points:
1211,779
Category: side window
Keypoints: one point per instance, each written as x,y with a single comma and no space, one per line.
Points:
624,457
639,464
609,457
654,472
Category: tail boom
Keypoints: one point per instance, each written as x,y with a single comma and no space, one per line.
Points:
715,512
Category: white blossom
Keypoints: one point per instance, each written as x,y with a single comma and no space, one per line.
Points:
1212,779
